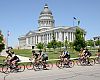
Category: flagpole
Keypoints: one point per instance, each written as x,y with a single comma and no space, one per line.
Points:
74,18
73,22
7,40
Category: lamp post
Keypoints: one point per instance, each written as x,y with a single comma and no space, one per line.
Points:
94,42
65,43
99,41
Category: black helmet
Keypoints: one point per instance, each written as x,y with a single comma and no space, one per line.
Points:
40,51
33,51
7,51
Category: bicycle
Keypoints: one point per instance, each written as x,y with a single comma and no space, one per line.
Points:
85,62
97,60
64,64
9,67
39,65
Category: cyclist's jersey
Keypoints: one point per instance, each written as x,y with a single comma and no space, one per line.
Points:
9,56
44,55
36,55
66,54
15,58
87,53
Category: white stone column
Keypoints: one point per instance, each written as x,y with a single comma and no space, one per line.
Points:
72,37
60,36
43,38
64,36
39,39
47,38
26,40
56,35
35,39
30,40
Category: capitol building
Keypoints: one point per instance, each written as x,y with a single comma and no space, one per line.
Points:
45,30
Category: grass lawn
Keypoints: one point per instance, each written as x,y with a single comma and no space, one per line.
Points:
51,53
1,59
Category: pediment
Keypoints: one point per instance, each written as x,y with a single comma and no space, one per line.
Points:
30,33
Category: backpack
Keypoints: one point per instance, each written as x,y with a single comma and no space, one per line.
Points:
44,55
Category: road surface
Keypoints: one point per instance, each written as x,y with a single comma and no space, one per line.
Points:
75,73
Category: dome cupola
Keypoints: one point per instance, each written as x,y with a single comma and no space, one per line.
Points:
46,20
46,10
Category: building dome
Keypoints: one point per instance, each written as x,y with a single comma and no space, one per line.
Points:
46,10
46,20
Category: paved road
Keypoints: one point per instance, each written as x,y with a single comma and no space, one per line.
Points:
75,73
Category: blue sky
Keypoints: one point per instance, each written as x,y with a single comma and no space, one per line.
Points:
20,16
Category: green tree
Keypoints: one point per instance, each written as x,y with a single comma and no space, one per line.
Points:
79,41
40,46
66,43
60,44
49,45
90,43
97,42
70,45
53,42
2,45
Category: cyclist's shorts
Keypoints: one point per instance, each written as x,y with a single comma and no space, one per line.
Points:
67,56
45,58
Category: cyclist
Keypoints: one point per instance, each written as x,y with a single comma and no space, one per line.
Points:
34,55
81,54
44,57
14,60
9,56
87,55
98,53
66,56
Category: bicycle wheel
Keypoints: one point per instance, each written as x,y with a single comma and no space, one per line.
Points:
6,69
29,66
97,60
92,62
1,67
49,65
38,66
78,62
20,67
59,64
71,63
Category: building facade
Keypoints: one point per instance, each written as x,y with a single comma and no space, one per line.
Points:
45,30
